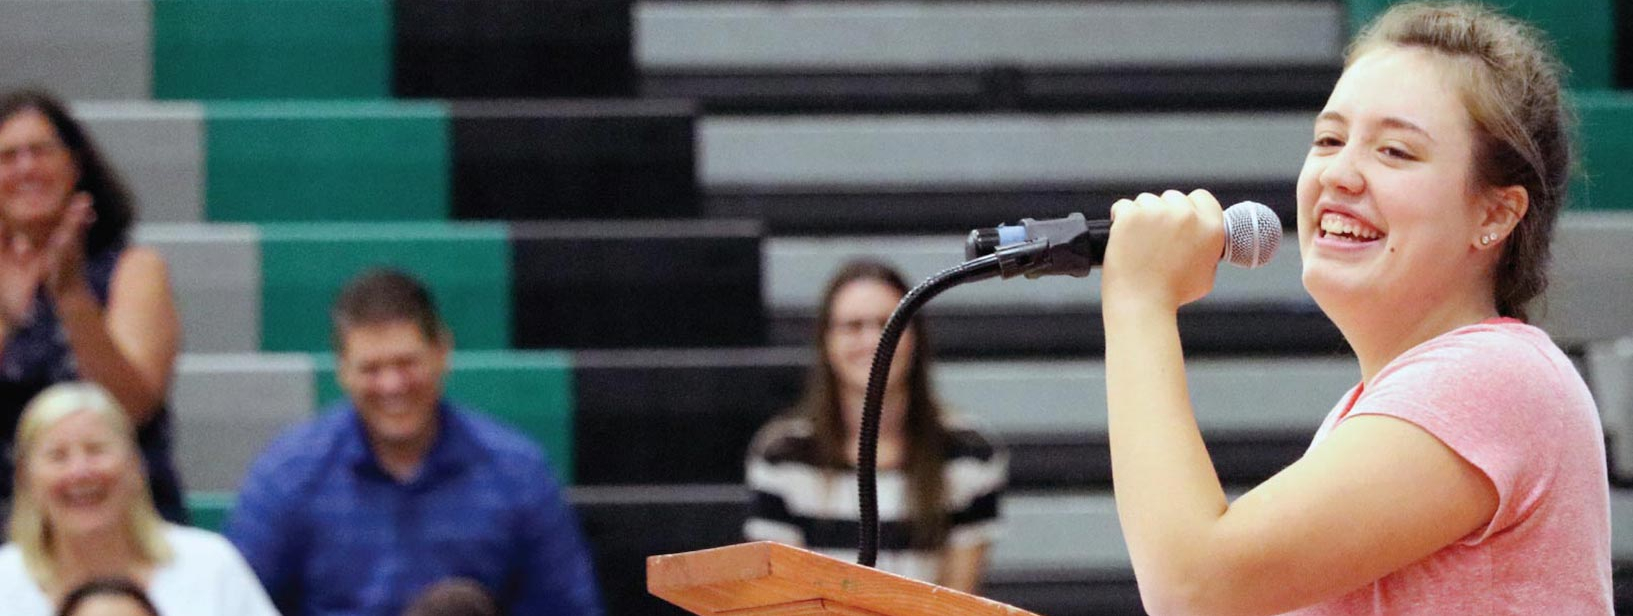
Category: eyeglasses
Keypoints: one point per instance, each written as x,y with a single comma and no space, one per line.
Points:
857,326
37,150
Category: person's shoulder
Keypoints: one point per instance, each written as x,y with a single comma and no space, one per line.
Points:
1504,349
305,447
966,439
788,438
11,561
494,438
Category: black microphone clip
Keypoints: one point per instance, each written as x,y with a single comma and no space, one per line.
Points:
1071,246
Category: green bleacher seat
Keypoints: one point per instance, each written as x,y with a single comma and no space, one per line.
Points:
360,161
253,49
1606,151
1584,31
466,266
209,510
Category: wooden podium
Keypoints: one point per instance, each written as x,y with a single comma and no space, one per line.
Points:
771,579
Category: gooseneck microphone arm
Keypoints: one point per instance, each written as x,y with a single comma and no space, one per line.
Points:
1007,262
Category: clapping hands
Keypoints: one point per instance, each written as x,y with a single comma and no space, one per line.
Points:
58,264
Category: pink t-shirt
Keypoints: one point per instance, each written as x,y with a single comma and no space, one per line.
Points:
1505,398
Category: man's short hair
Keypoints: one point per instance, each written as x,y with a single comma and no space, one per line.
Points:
380,296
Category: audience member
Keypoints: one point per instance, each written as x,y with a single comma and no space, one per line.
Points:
107,597
396,487
82,512
76,302
1465,473
453,598
939,479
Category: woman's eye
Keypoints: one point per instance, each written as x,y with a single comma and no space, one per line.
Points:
1397,153
1327,142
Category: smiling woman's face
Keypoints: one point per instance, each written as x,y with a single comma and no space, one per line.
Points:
1386,202
37,171
83,475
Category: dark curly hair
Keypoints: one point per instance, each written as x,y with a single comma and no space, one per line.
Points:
111,201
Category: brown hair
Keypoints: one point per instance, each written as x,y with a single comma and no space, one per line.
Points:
926,435
106,586
1510,85
110,200
382,296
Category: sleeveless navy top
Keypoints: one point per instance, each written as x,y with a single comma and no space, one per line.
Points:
37,356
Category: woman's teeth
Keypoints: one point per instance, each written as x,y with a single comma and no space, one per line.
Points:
84,495
1343,226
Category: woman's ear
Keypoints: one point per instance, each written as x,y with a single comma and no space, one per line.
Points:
1500,212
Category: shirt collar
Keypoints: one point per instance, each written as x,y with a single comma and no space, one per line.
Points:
448,453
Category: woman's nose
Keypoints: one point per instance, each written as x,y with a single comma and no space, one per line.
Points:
1342,173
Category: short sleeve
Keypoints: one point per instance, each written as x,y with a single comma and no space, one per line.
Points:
1492,398
975,491
770,468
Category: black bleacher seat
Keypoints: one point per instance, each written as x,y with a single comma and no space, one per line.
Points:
513,49
676,416
818,210
1231,329
600,285
1624,45
625,525
1000,88
1242,458
594,159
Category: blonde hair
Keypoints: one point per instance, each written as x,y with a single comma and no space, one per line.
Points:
1510,85
29,528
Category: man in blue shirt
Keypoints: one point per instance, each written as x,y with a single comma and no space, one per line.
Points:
396,488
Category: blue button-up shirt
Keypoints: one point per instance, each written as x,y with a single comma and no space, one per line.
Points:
329,532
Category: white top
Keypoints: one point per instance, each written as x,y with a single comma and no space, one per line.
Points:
206,577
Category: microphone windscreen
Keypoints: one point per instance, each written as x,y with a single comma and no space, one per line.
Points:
1252,234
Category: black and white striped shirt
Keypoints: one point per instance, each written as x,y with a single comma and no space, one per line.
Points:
799,502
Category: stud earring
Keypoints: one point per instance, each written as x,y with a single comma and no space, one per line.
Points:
1485,240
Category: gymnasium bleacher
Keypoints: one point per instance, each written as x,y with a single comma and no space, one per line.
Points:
627,211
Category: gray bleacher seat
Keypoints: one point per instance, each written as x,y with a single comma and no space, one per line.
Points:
978,151
940,173
157,148
844,56
1610,372
215,274
80,50
228,407
841,35
1055,397
1590,297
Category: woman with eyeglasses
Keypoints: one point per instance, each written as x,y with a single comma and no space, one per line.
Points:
939,480
76,300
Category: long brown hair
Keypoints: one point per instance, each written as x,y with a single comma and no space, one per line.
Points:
1509,81
925,433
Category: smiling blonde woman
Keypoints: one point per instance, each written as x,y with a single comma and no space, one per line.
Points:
82,511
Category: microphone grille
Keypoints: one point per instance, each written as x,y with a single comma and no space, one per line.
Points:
1252,234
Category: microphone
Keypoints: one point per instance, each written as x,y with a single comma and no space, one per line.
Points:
1073,245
